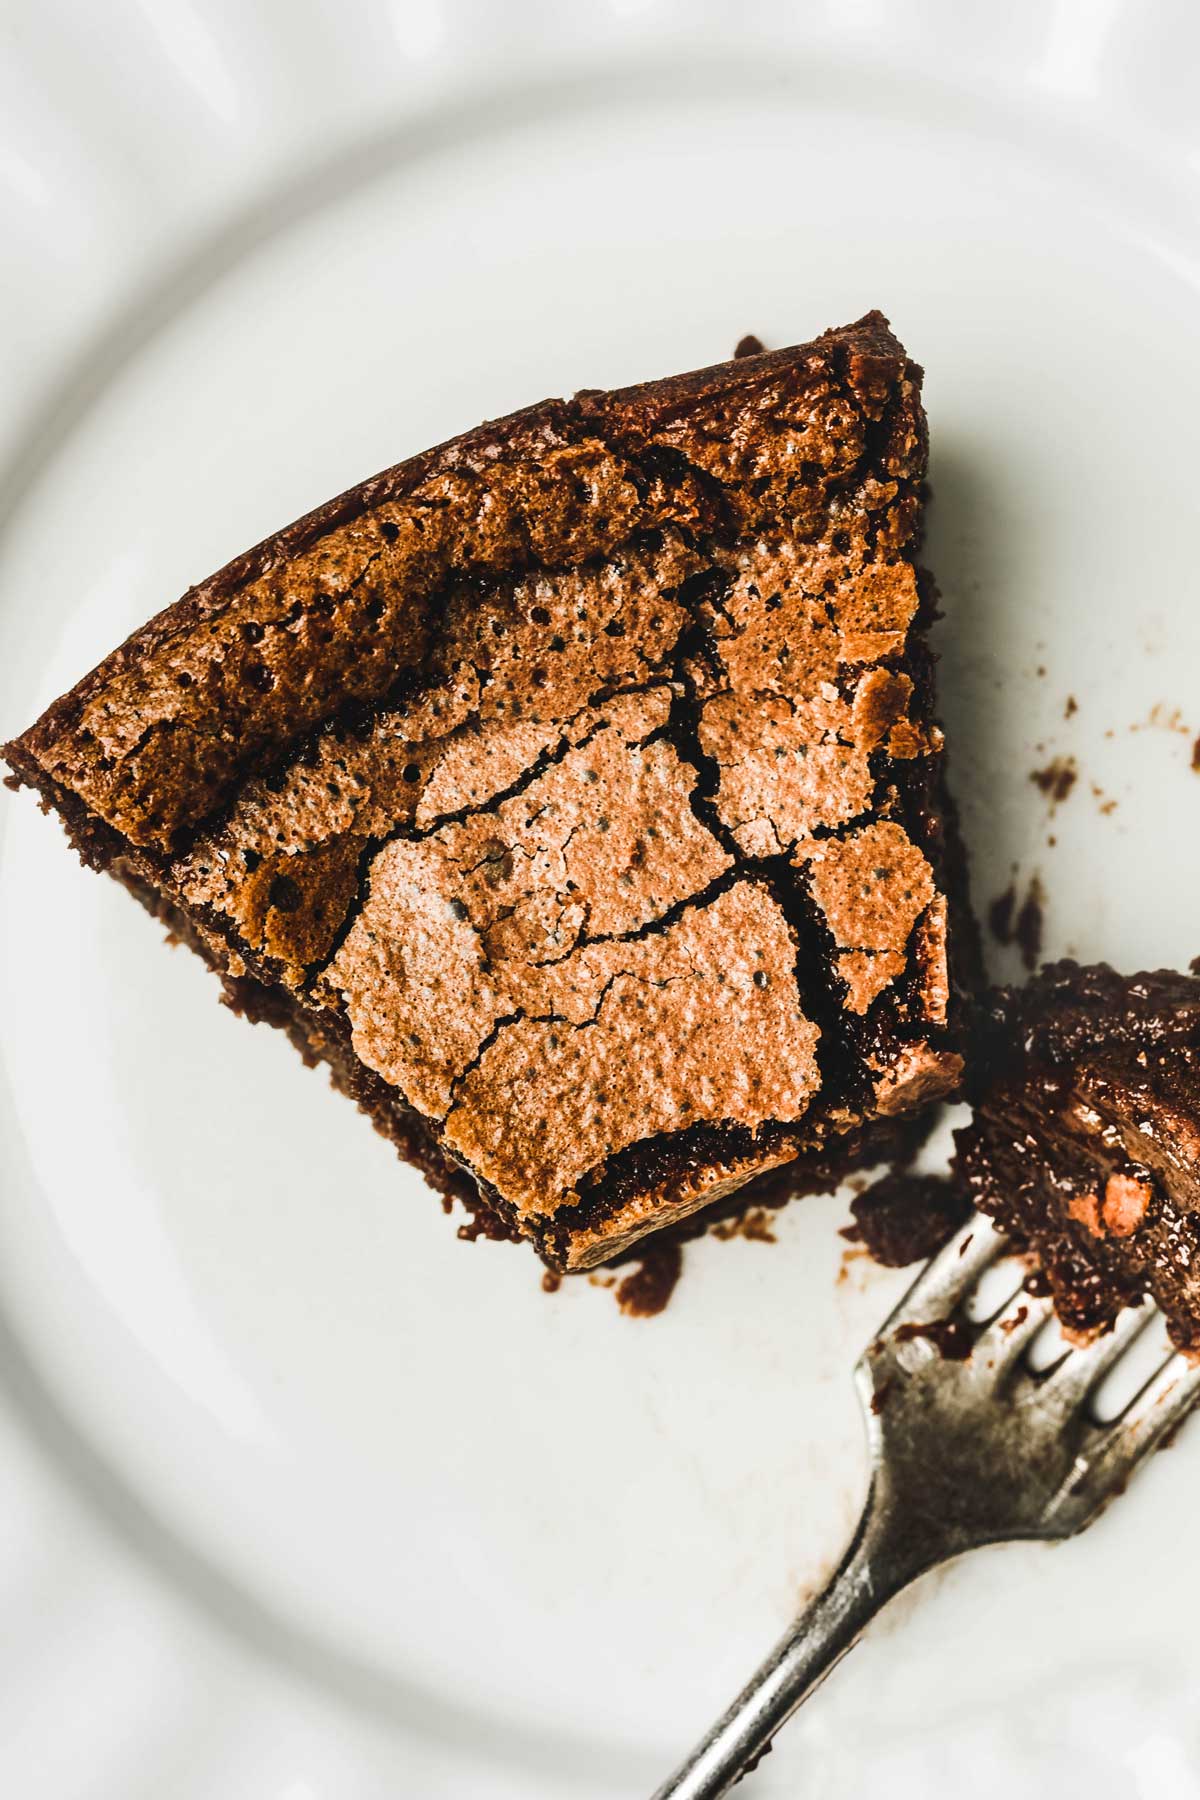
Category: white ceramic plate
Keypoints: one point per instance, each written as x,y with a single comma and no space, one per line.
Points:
299,1496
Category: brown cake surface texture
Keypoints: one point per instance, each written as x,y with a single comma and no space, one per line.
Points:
1085,1139
573,790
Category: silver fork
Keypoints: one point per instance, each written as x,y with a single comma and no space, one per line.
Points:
965,1450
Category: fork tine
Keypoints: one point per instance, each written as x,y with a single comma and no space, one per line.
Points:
1004,1339
1165,1399
953,1272
1082,1370
1154,1412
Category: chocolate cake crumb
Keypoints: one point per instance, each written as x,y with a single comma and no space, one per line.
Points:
749,346
952,1337
551,1281
484,1222
1196,756
1000,914
754,1224
1162,717
904,1218
1025,930
648,1289
1084,1145
1057,779
1071,707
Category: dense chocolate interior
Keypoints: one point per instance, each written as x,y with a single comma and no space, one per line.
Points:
1085,1141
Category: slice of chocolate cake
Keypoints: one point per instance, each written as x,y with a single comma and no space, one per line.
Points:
1085,1143
572,790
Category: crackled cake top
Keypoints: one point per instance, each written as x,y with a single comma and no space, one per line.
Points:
582,768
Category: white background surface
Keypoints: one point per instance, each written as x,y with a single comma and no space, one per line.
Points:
299,1497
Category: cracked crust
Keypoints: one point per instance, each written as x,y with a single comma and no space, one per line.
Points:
700,1022
872,886
577,778
516,912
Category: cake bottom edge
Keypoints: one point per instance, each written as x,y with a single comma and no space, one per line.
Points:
685,1182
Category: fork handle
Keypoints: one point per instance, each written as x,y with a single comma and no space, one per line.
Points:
874,1568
